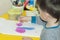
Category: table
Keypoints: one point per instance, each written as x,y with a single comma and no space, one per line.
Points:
7,31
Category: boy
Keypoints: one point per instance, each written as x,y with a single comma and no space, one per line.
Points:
50,12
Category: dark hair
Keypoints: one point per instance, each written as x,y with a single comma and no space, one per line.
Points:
51,6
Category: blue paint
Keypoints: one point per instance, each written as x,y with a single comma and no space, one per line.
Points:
27,28
33,19
31,2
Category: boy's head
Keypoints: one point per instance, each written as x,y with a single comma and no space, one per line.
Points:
49,9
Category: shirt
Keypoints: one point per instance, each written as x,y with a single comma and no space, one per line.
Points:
52,33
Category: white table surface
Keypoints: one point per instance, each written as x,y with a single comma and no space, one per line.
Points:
8,27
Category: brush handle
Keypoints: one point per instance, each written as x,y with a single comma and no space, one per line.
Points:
26,2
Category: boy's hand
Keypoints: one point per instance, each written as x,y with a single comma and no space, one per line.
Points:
24,18
27,38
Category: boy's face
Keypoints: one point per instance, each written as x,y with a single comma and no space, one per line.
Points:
42,14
